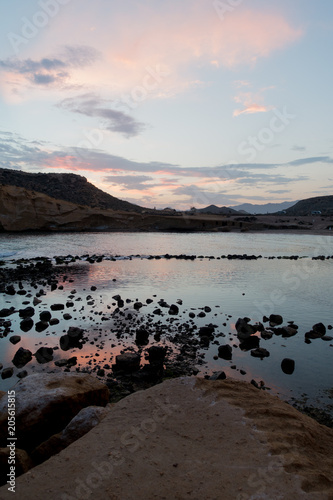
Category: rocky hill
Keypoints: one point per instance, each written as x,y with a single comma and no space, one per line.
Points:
323,204
68,187
213,209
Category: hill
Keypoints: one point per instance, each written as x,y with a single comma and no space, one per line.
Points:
323,204
68,187
213,209
267,208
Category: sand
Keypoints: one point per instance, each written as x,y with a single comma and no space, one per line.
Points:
192,439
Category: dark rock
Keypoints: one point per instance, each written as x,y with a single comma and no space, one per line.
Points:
288,366
173,309
40,326
158,312
260,352
67,316
22,374
72,339
137,305
244,329
206,331
28,312
54,321
57,307
10,290
266,334
26,324
156,354
225,352
45,316
275,319
319,328
6,312
7,373
218,376
142,336
15,339
44,355
127,362
22,357
251,342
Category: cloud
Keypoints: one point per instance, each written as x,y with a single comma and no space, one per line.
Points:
130,182
94,106
50,71
298,148
252,102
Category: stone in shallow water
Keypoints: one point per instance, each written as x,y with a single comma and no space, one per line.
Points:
22,357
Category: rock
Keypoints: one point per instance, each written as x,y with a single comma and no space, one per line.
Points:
275,320
206,331
127,362
66,362
44,355
327,338
288,331
15,339
319,328
67,316
225,352
137,305
54,321
22,357
218,376
36,301
266,334
7,373
40,326
4,313
45,316
173,309
260,352
22,374
22,463
157,311
288,366
244,329
72,339
142,336
46,403
26,324
251,342
57,307
28,312
156,354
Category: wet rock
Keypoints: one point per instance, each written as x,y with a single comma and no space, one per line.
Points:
266,334
4,313
244,329
26,324
57,307
319,328
22,374
158,312
73,338
288,331
156,354
7,373
251,342
260,352
218,376
28,312
22,357
174,310
10,290
142,336
36,301
288,366
206,331
15,339
44,355
137,305
275,320
67,316
128,362
327,338
54,321
40,326
45,316
225,352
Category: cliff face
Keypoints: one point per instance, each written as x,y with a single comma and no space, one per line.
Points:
22,209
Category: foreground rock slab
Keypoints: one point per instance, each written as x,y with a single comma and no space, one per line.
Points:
47,402
191,438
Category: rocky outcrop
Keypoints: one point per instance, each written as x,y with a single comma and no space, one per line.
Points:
46,403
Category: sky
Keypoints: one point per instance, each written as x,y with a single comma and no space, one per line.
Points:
176,103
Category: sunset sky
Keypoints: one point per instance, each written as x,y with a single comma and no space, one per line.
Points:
171,103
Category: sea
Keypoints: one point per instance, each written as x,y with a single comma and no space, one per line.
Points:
135,267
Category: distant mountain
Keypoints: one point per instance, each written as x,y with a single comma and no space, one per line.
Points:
268,208
323,204
68,187
213,209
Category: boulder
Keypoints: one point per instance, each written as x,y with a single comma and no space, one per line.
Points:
174,310
156,354
244,329
6,312
26,324
83,422
7,373
45,316
44,355
288,366
28,312
40,326
73,338
142,336
128,362
225,351
275,320
15,339
218,376
260,352
57,307
251,342
319,328
47,402
22,357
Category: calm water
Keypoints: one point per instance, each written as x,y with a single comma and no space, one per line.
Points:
298,290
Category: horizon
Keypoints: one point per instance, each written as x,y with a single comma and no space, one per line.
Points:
185,104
